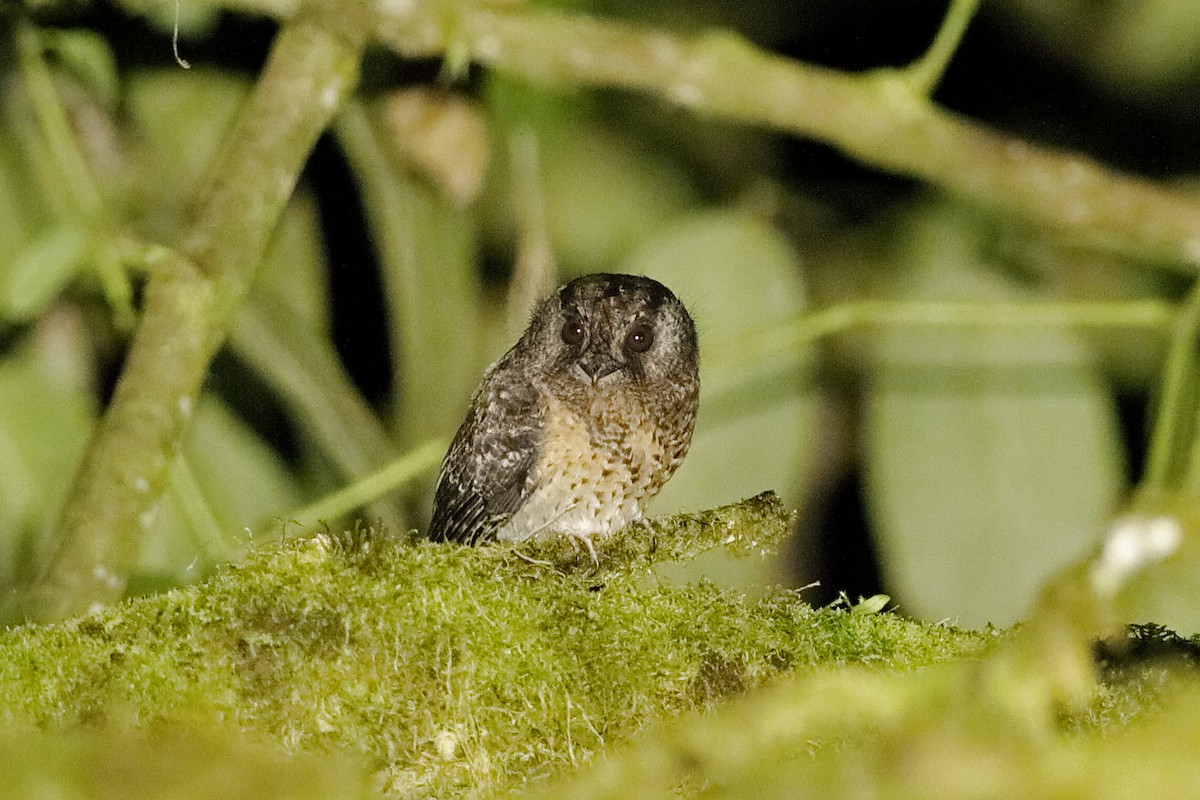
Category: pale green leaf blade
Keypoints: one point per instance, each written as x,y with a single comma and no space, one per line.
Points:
992,455
46,416
40,271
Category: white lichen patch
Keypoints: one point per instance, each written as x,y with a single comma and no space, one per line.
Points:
488,47
330,96
1133,543
321,544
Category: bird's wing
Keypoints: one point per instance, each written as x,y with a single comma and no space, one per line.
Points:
486,474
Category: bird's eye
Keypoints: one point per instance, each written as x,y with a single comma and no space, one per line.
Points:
572,332
640,338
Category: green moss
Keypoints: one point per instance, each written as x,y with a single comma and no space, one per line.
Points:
1141,669
900,735
456,670
169,761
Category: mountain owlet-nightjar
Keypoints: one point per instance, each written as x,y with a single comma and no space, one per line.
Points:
577,426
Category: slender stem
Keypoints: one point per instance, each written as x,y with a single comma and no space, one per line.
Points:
74,178
1189,482
1173,423
302,368
534,266
190,300
198,515
926,72
427,259
811,327
411,465
77,182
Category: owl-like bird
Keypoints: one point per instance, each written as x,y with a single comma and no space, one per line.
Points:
577,426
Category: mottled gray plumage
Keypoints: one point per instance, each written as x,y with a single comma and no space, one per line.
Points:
577,426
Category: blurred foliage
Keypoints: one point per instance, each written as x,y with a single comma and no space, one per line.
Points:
990,456
1139,47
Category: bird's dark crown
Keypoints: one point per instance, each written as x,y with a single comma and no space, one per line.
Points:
605,285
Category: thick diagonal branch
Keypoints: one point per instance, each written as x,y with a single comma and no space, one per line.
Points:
877,118
190,301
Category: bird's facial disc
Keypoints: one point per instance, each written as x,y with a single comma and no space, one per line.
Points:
604,338
619,327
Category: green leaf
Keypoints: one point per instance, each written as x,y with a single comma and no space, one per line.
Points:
46,416
40,270
992,455
293,276
182,118
427,255
870,605
603,190
23,207
604,194
246,481
87,57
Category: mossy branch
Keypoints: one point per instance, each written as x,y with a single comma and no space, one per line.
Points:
191,297
928,733
752,527
465,672
459,671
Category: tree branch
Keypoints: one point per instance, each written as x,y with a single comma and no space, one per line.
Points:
190,300
877,118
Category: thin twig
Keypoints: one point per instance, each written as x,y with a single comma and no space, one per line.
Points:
926,72
1154,315
393,476
1174,426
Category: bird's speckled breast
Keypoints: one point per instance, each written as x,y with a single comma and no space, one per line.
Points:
596,469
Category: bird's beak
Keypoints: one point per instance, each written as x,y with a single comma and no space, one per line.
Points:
597,364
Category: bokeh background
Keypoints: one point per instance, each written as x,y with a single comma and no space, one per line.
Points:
954,468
